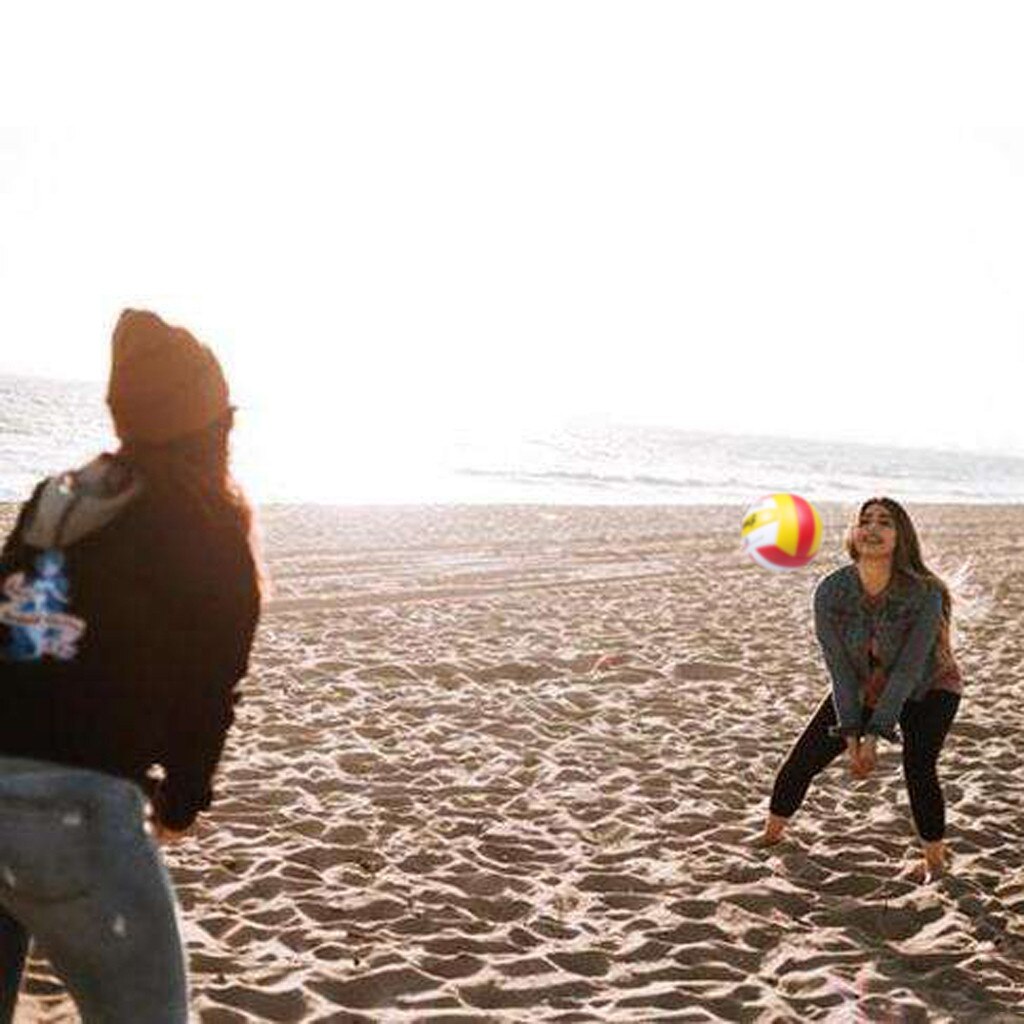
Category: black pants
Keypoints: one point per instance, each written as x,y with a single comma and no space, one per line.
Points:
924,725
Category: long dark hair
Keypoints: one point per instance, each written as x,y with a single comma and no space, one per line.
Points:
906,557
190,478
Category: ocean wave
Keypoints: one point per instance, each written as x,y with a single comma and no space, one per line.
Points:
586,478
48,426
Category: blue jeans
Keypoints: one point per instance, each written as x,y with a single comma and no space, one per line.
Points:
80,875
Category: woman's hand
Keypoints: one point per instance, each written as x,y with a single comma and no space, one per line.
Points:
868,755
863,755
853,749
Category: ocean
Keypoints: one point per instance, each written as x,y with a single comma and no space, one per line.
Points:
47,426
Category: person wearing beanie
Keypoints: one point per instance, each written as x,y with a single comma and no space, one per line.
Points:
129,599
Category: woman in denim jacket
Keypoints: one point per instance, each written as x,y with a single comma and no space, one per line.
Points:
883,625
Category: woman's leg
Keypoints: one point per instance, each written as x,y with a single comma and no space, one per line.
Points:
815,750
90,887
13,950
925,724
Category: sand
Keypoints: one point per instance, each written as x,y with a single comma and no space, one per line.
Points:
503,764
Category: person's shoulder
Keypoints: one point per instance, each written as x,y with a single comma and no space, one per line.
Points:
836,584
918,590
28,506
196,548
26,510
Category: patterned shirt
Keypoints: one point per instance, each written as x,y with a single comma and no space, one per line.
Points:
947,675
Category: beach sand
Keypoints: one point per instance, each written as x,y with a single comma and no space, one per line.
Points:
503,764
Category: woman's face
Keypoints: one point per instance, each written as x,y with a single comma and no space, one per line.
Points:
874,535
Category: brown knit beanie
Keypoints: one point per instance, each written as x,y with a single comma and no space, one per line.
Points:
163,383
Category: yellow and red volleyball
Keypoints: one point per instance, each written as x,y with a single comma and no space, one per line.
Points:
781,531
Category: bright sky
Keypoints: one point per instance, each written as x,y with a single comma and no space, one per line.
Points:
801,219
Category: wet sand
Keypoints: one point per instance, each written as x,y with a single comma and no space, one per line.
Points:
503,764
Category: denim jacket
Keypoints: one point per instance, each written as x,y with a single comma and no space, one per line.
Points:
906,626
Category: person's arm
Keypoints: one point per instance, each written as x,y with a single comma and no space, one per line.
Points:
199,720
191,755
846,690
215,628
13,539
908,667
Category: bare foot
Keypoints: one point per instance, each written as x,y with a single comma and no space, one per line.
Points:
936,859
917,873
773,832
921,872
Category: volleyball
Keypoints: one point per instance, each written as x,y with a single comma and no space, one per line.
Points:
781,532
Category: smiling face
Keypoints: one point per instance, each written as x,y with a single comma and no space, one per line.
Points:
874,533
